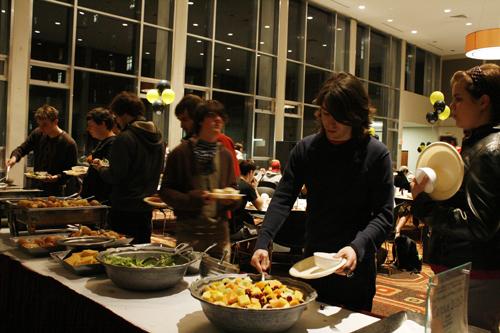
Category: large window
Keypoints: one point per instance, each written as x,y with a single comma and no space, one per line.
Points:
4,51
422,70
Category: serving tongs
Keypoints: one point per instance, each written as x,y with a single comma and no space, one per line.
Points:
6,179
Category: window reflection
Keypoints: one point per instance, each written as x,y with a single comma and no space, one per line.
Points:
232,68
4,26
294,81
197,61
314,80
362,42
342,31
266,75
159,12
379,57
129,8
48,74
94,90
379,99
320,37
50,38
296,30
106,43
236,22
156,53
199,17
268,27
263,135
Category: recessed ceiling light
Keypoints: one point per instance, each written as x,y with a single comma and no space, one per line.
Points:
198,41
195,24
309,17
414,32
227,69
202,53
258,55
37,31
267,26
57,23
81,13
147,53
228,48
339,29
361,7
80,40
261,43
447,10
390,20
289,51
3,11
468,23
324,45
125,24
229,33
190,3
228,59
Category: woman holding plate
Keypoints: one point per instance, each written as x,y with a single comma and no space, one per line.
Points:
466,227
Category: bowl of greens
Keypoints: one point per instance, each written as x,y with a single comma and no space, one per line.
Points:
143,269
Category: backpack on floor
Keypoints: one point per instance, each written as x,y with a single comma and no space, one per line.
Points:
406,254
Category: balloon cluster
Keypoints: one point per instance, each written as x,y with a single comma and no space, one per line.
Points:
422,146
441,110
160,97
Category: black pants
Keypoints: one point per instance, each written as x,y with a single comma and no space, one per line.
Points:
354,293
133,224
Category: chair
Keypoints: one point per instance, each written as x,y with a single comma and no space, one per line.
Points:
264,183
268,190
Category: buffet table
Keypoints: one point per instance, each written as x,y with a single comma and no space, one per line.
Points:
39,292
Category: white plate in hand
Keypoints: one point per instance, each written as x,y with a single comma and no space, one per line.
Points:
307,269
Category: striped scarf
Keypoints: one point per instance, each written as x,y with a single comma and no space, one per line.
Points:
204,153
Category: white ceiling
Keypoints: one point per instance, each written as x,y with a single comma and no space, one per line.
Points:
438,32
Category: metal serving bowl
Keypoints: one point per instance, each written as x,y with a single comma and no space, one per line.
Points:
252,320
210,266
195,257
137,278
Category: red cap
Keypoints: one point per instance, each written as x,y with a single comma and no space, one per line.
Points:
275,166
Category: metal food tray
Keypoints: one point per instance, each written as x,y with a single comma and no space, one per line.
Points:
82,270
38,251
34,218
394,322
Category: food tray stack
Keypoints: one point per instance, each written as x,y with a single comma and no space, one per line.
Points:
34,219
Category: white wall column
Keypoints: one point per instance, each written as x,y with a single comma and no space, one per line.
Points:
279,119
178,67
18,84
353,27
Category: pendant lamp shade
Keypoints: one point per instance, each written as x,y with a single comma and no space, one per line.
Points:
483,44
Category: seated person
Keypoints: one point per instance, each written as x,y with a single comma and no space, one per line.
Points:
247,185
273,175
401,180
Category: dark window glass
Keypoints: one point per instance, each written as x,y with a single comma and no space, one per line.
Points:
379,98
419,71
3,113
294,82
396,58
263,135
268,27
311,122
409,69
156,53
231,69
266,75
239,110
159,119
342,44
292,109
236,22
106,43
314,80
4,26
129,8
379,58
296,30
200,13
2,67
48,74
292,130
195,92
362,42
320,37
51,34
264,105
159,12
197,61
57,98
94,90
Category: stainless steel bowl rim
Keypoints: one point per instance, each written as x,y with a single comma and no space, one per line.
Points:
85,240
305,288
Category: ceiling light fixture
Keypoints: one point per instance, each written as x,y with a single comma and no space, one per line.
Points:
228,48
324,45
147,53
198,41
190,3
468,23
80,40
37,31
57,23
483,44
390,20
195,24
81,13
447,10
267,26
309,17
125,24
414,32
361,7
229,33
3,11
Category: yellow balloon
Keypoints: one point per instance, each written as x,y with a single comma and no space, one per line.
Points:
168,96
152,95
371,131
445,114
436,96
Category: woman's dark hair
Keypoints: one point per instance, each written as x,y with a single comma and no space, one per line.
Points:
246,167
346,99
188,104
127,103
206,109
100,116
482,80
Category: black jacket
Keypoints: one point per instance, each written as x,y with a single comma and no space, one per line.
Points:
135,166
467,226
350,195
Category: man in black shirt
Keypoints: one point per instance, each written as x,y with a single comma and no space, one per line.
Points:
54,149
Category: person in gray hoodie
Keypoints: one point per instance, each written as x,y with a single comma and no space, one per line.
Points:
134,168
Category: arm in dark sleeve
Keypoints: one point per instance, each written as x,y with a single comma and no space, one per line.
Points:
284,197
119,162
172,183
70,159
26,146
369,239
478,219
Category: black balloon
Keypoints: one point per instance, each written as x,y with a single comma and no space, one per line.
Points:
162,85
431,117
439,106
157,105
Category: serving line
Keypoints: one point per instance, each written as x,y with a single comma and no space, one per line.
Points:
172,310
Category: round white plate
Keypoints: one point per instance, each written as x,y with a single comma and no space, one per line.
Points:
230,196
307,269
150,201
75,173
